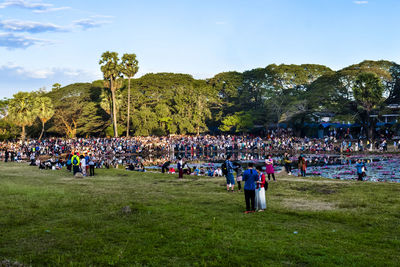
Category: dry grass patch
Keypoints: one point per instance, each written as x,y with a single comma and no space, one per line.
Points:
306,204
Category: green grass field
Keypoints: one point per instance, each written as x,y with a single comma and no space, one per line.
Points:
50,218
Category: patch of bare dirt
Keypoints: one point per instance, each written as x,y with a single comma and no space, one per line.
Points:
305,204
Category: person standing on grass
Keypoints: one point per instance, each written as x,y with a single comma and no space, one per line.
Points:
83,164
230,179
239,175
250,177
360,166
303,166
180,168
269,167
91,165
87,159
75,163
69,162
261,204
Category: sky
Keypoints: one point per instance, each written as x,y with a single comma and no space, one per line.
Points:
43,42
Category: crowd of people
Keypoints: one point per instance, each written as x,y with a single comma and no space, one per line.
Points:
115,151
84,155
137,152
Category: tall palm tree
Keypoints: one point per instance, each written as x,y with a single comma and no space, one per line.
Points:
111,68
129,69
45,110
106,102
21,111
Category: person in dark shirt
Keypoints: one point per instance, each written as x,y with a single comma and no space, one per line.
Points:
230,179
165,167
239,175
180,168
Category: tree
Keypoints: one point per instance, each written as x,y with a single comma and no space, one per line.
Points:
106,102
387,71
226,86
74,109
90,121
368,90
163,114
328,95
45,110
8,130
238,122
129,69
286,89
56,87
111,68
145,122
253,89
21,111
175,103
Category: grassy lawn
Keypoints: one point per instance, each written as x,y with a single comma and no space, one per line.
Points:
51,218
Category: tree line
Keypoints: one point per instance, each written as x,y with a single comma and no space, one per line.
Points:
229,102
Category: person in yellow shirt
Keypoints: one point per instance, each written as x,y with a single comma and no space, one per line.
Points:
75,163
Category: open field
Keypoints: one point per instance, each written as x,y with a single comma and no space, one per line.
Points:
51,218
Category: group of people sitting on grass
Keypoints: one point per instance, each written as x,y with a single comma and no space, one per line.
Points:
74,162
196,170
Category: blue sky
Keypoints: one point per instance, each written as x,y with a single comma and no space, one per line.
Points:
43,42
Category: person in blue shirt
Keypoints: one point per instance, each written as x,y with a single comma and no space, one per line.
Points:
360,166
210,172
230,179
250,178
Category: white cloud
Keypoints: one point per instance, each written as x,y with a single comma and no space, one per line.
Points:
51,9
360,2
37,7
89,23
14,41
29,26
38,74
11,40
24,4
14,78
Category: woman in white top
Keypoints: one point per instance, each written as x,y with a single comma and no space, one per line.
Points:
83,165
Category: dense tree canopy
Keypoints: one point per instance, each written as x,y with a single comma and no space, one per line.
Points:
170,103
